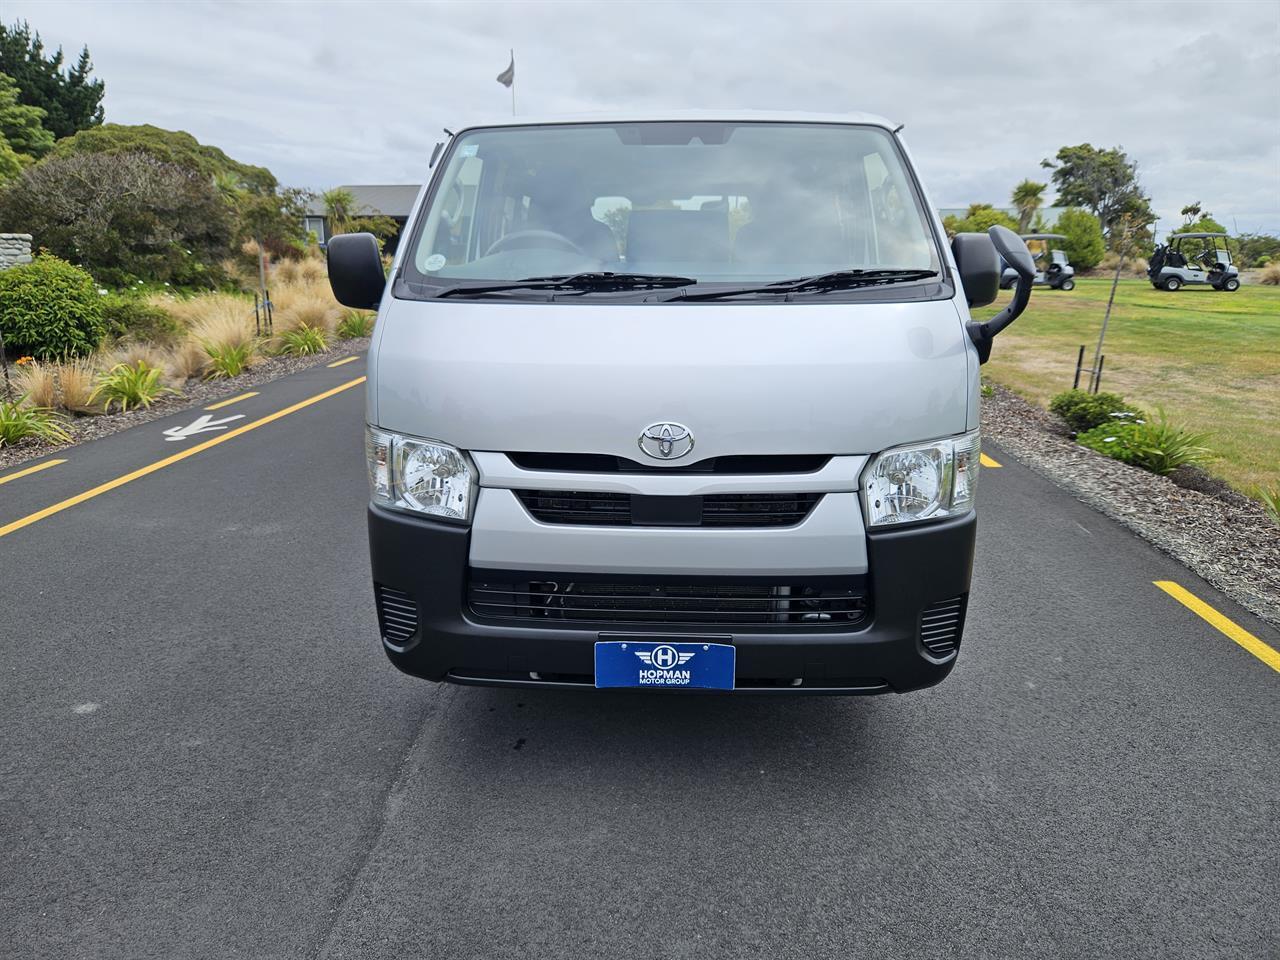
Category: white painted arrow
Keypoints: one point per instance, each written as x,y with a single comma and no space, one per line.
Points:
203,424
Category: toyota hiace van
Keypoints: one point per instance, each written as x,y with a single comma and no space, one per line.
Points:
676,403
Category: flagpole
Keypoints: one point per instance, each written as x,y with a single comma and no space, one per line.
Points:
513,81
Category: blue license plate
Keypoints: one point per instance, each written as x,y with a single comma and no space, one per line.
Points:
659,665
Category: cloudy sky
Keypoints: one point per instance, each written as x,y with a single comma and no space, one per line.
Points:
327,93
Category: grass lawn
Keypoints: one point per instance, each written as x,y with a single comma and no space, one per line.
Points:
1210,359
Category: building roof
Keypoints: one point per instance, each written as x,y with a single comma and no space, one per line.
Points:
389,199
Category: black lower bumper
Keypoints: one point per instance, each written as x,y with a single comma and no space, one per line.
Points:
429,632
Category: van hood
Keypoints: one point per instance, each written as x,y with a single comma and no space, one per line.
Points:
797,378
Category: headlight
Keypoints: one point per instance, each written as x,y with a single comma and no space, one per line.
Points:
925,481
423,476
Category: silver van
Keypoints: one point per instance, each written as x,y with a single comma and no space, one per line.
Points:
676,402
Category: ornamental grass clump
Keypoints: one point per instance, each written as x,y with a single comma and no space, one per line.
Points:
75,386
38,383
19,420
1157,446
304,341
228,359
1270,499
355,324
305,305
129,385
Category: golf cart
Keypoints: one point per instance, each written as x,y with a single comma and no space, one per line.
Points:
1193,258
1052,269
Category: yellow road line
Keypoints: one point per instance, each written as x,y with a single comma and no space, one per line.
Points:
986,461
338,363
227,403
1267,654
168,461
30,470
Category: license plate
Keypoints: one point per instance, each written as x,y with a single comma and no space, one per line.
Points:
660,665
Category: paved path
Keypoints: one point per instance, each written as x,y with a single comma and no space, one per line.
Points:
205,753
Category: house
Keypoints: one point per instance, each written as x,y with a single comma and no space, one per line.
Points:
394,200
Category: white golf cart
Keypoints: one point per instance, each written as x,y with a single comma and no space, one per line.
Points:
1052,268
1193,258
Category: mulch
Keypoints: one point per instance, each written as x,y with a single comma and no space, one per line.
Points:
1225,537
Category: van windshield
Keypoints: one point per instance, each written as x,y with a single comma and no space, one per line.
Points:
713,202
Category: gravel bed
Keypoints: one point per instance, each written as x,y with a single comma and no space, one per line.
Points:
196,393
1224,537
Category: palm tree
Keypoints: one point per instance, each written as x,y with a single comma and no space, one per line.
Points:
1028,196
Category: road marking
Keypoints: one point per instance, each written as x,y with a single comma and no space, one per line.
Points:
30,470
201,424
338,363
168,461
227,403
1267,654
986,461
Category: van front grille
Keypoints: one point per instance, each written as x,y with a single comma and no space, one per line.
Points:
607,463
397,614
940,626
569,598
593,508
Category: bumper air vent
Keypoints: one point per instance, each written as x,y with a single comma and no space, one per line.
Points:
570,600
397,615
940,627
587,508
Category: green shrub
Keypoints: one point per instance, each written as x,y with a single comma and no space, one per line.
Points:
1159,447
355,324
1084,245
135,317
50,309
227,359
304,341
18,421
1084,410
129,385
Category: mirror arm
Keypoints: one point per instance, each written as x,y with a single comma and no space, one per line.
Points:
982,334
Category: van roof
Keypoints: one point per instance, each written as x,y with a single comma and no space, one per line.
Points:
731,116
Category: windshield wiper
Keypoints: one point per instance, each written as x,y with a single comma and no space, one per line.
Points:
819,282
586,282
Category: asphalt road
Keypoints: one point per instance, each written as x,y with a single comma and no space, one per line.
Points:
205,753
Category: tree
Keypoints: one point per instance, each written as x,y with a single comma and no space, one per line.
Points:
1028,197
10,162
977,219
259,208
70,99
122,217
1105,183
169,146
1084,245
20,125
345,216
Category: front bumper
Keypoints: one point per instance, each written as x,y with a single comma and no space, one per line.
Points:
425,564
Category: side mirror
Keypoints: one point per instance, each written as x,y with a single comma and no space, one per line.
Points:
355,270
1013,249
978,266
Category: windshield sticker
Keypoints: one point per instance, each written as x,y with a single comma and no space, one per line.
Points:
469,150
434,262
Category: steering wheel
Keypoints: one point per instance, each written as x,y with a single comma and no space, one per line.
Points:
525,239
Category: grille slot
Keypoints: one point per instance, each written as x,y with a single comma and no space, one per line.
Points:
566,598
607,463
592,508
397,614
940,626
